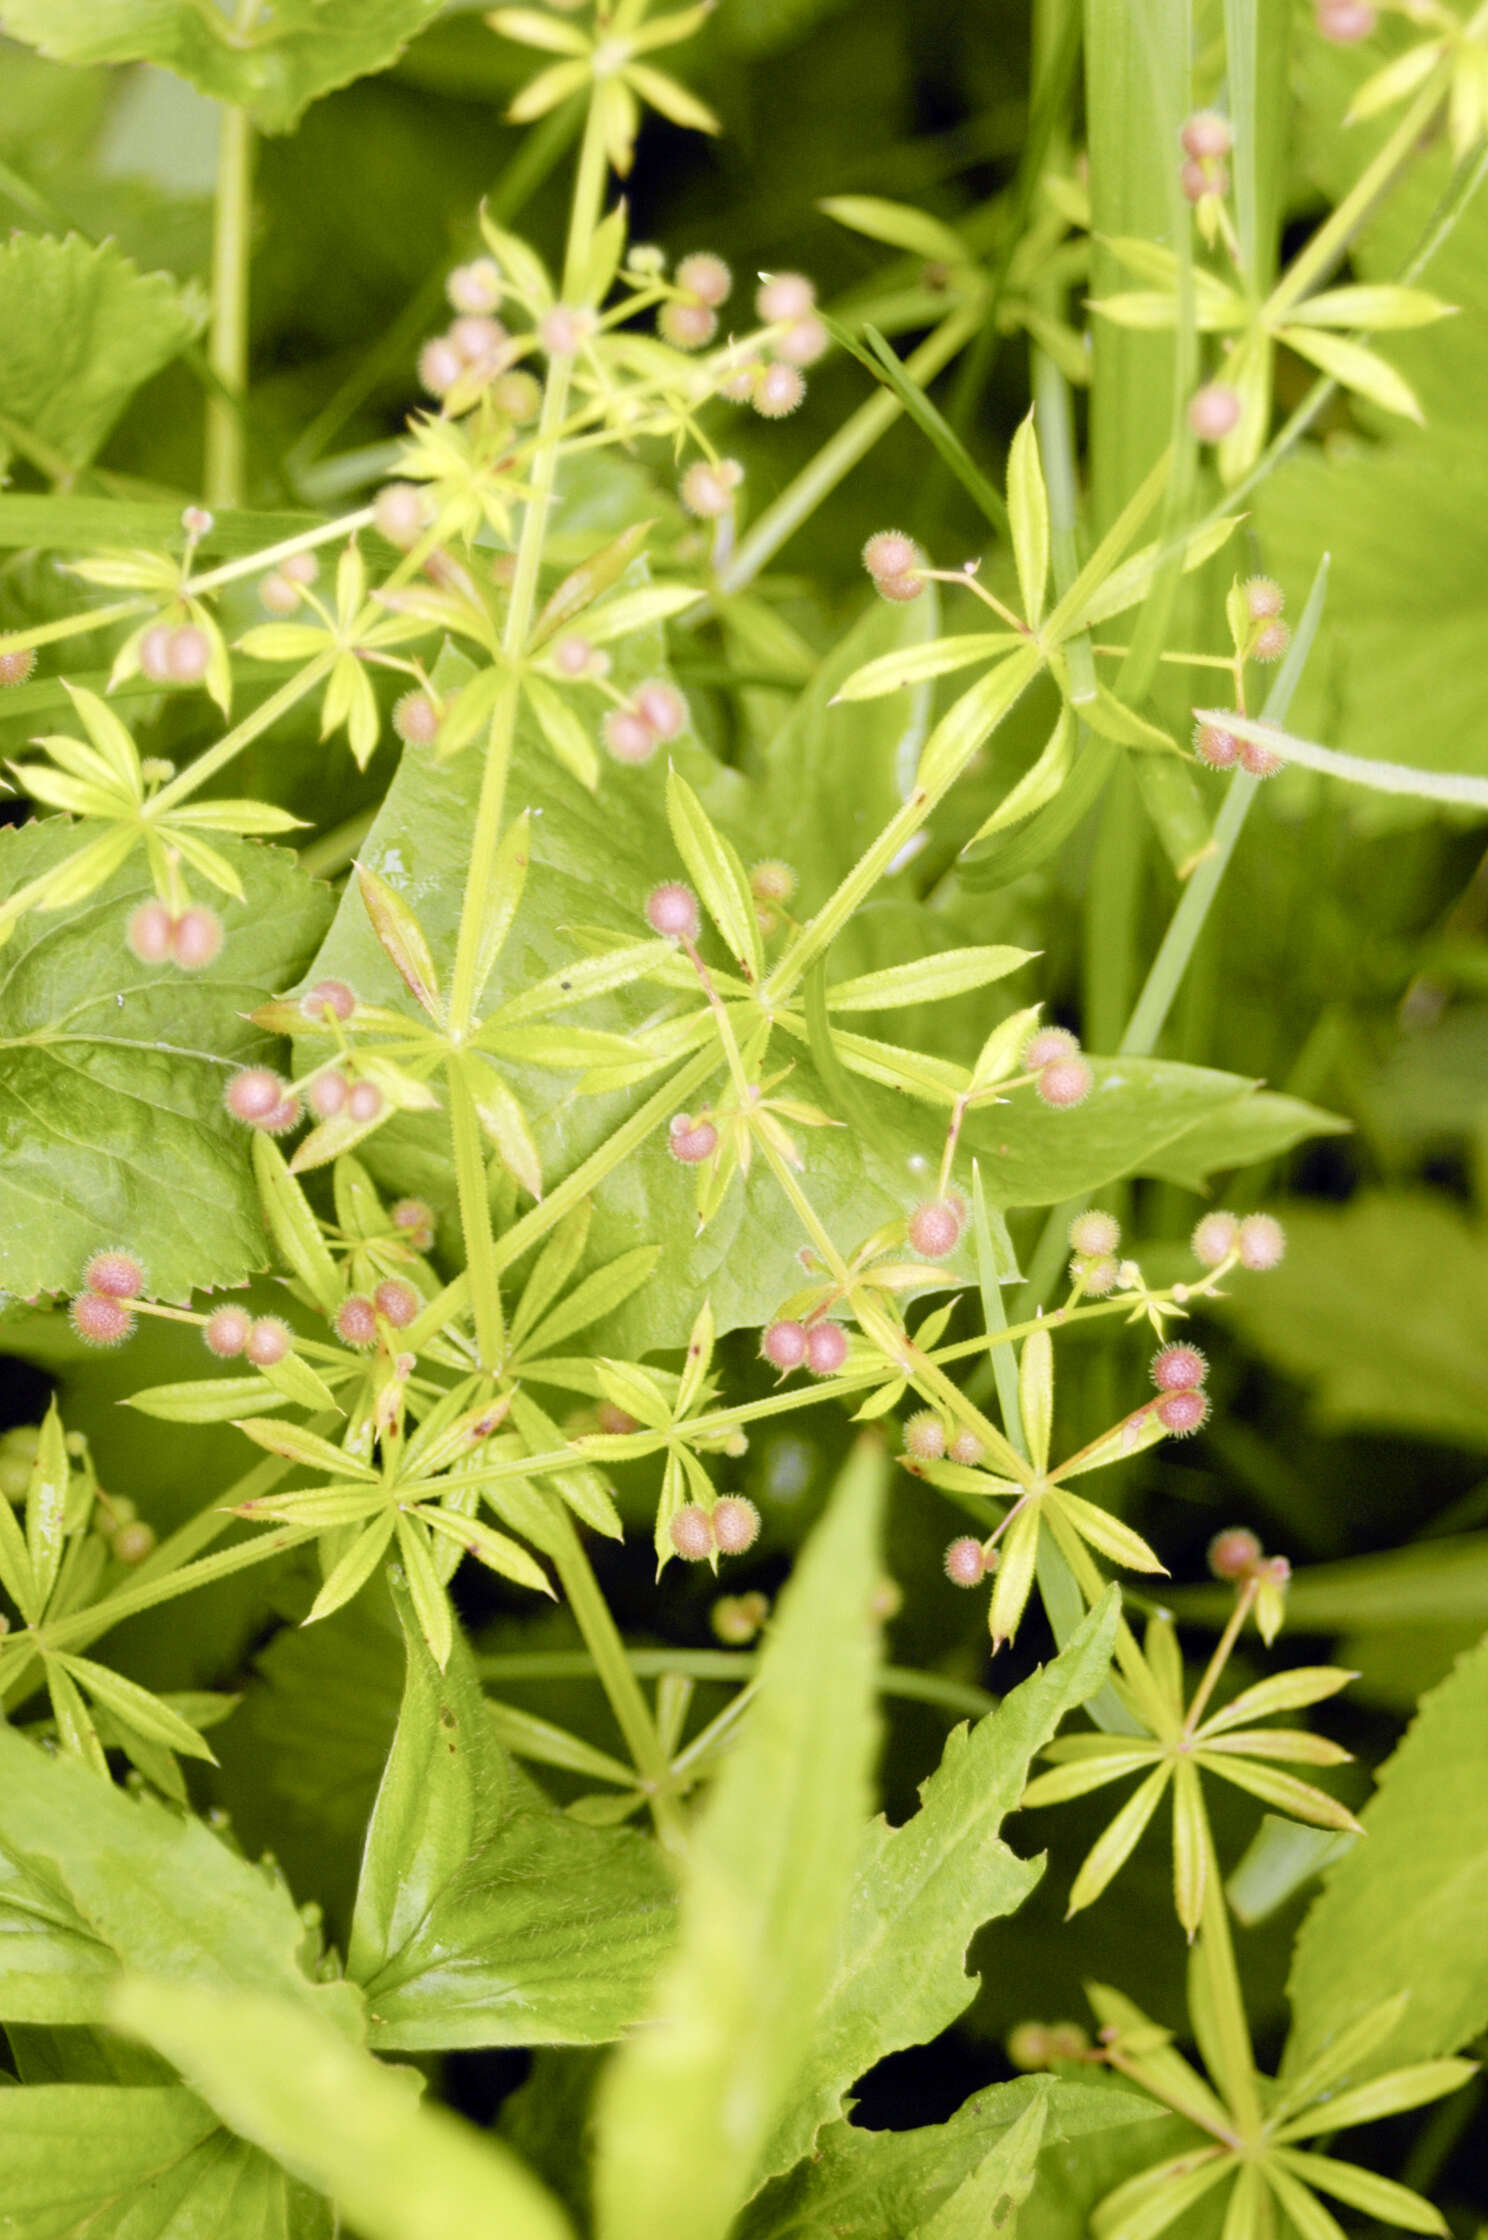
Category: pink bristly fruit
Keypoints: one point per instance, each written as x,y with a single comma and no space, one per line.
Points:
1048,1043
1181,1414
255,1096
1214,1238
627,737
1270,641
99,1320
708,488
1207,136
706,276
1234,1553
397,1302
226,1331
935,1228
1262,1242
332,996
826,1348
778,390
1094,1232
398,514
661,708
327,1094
416,1219
364,1102
16,664
117,1275
1064,1082
691,1533
1259,760
736,1524
1217,748
924,1436
187,655
966,1448
1179,1368
686,326
965,1562
1213,412
691,1141
416,719
149,933
784,1345
356,1321
268,1341
196,938
133,1541
1345,22
785,295
672,909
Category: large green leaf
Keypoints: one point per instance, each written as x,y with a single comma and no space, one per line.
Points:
282,2077
82,330
1405,1910
1332,1314
297,51
112,1129
1260,1126
861,2185
691,2100
92,1881
925,1888
990,2195
486,1917
95,2160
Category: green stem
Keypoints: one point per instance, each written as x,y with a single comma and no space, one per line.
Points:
1215,1955
605,1645
852,442
263,718
730,1666
1332,239
475,1216
227,350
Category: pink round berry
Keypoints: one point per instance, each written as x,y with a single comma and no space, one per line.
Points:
1047,1044
117,1275
16,664
356,1321
803,342
1213,411
268,1341
196,938
1213,745
252,1095
691,1533
363,1101
1199,179
1262,1242
571,656
778,391
564,328
478,338
474,287
149,933
99,1320
154,653
616,1421
1270,641
628,737
785,295
1179,1368
691,1141
672,909
826,1348
661,708
226,1331
397,1302
300,567
966,1448
1214,1238
416,1218
686,326
277,594
398,514
708,490
1207,135
1094,1233
784,1345
1345,22
188,654
333,996
440,366
705,276
327,1094
1260,761
1096,1275
1065,1082
890,553
736,1524
924,1436
1263,597
965,1564
935,1228
772,881
1234,1553
1276,1571
416,719
1181,1413
737,380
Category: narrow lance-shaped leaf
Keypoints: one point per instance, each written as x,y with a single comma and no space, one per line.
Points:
401,936
718,875
1028,515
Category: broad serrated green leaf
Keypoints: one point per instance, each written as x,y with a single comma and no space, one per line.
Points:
112,1129
284,2078
1404,1910
484,1917
93,1881
83,330
691,2100
307,47
923,1889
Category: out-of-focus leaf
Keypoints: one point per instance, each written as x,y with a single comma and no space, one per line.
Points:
1260,1126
